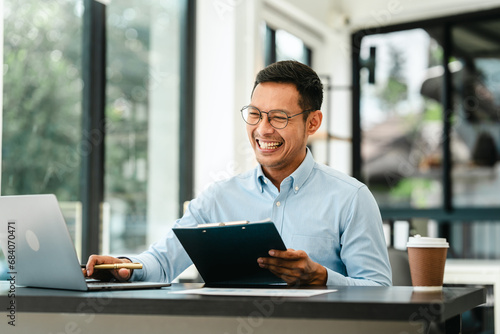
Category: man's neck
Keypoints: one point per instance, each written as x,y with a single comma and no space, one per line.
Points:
277,175
275,180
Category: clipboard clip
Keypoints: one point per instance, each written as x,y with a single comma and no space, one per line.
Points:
239,222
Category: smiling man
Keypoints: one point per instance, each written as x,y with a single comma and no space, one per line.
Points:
280,142
329,220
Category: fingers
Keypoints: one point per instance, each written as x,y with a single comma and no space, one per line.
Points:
91,262
289,254
266,262
294,267
290,265
283,258
279,267
106,274
290,280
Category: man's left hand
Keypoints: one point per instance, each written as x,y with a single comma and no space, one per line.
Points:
294,267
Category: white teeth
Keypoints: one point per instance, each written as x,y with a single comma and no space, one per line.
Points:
269,145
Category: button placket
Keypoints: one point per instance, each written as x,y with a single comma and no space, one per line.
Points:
279,204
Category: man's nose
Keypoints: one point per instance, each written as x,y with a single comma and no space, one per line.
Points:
264,125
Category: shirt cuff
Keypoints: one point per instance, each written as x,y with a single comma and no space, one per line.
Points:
334,278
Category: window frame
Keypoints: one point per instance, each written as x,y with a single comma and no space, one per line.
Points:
446,213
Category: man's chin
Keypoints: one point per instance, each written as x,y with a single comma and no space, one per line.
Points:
267,162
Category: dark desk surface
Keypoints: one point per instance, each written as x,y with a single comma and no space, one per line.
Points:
368,303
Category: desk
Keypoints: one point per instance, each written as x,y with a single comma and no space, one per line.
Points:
347,310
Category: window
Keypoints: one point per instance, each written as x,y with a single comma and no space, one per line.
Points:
400,126
42,89
475,127
426,124
281,45
142,113
41,98
147,110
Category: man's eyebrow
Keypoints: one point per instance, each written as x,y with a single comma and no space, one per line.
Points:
275,109
283,110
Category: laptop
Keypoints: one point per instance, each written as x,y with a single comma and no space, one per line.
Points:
34,233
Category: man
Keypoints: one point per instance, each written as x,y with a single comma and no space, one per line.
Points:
329,220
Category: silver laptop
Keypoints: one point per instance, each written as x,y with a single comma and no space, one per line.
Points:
35,236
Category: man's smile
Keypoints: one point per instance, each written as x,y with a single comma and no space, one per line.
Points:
268,145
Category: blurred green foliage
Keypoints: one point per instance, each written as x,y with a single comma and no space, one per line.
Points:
41,98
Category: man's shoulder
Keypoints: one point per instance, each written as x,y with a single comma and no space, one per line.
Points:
235,180
332,175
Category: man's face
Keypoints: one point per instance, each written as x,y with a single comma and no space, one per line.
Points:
278,150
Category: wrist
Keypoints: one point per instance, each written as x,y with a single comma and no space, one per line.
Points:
125,259
321,276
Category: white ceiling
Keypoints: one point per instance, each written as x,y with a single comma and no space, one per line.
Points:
367,13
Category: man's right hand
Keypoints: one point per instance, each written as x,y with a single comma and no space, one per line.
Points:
106,274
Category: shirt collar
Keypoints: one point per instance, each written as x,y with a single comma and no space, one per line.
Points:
298,177
262,179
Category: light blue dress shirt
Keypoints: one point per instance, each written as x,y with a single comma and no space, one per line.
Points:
329,215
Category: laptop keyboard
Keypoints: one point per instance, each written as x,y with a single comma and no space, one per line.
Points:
105,283
93,282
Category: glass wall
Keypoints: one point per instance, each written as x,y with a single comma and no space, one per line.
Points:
142,112
429,139
475,137
42,97
401,126
42,114
401,117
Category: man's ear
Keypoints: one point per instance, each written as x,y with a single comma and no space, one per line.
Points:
314,121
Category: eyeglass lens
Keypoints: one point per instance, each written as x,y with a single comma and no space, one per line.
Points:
277,118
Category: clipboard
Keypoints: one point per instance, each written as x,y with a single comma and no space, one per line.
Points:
226,254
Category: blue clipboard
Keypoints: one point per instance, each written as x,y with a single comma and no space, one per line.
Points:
227,255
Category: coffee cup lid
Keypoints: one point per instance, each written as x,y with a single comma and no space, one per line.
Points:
426,242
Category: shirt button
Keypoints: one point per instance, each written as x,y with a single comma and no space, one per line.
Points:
278,203
265,181
296,188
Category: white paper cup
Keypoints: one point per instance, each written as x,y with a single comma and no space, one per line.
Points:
427,258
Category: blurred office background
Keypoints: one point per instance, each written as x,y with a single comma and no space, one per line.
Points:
126,109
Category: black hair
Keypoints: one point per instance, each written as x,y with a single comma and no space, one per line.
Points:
302,76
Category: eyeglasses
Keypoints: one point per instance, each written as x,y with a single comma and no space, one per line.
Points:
277,118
